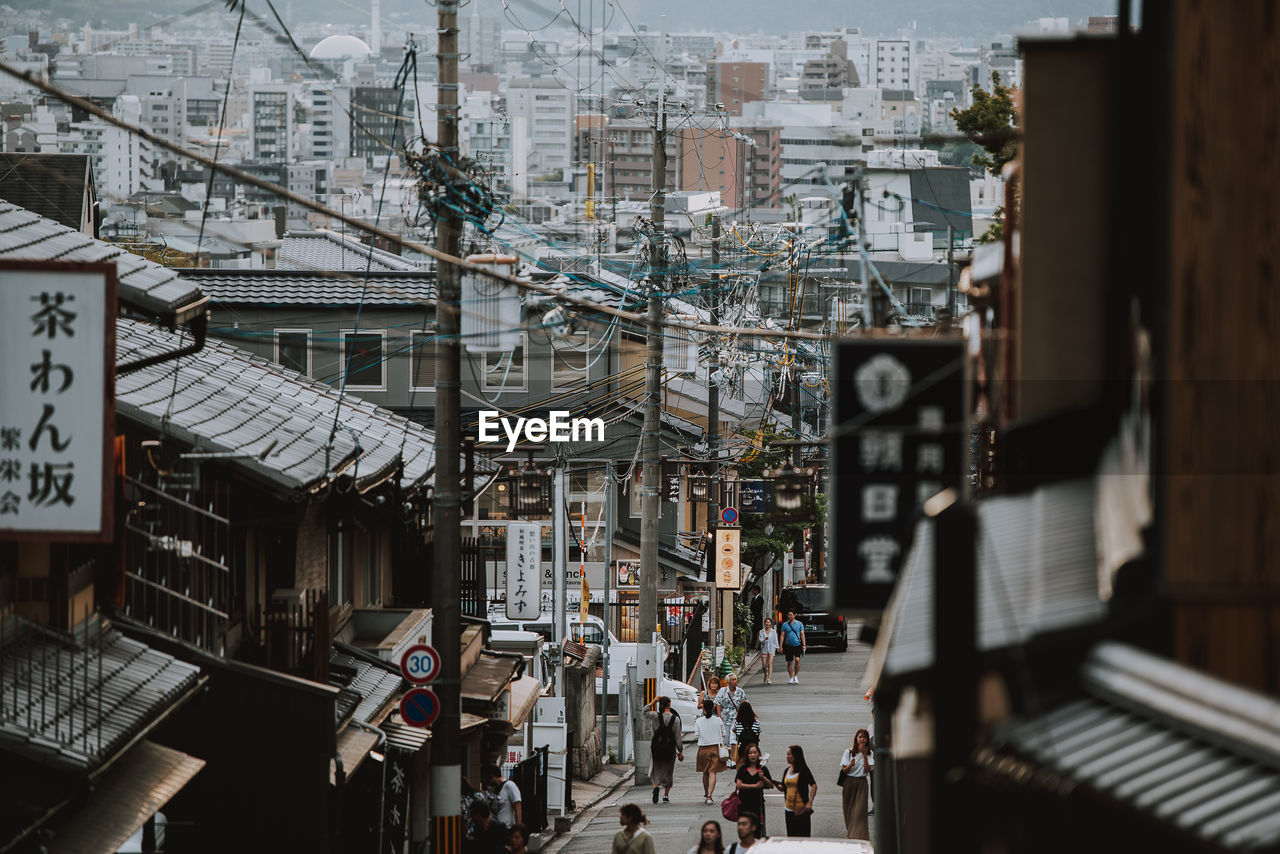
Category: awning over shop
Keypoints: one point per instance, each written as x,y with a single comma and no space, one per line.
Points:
524,696
1036,574
487,678
354,744
132,791
1194,752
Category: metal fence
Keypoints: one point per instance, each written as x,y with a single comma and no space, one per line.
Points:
530,777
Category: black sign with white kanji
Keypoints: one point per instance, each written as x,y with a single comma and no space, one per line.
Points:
898,431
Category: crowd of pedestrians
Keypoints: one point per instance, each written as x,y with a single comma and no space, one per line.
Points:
729,734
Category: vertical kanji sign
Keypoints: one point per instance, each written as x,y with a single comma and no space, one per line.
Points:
57,400
524,571
898,437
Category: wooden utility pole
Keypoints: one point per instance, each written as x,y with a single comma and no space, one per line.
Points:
713,443
446,741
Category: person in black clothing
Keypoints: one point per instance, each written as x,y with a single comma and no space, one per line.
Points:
746,730
752,780
490,834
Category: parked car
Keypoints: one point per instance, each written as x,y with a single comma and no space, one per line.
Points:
814,606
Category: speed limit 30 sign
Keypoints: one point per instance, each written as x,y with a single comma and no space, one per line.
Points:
420,664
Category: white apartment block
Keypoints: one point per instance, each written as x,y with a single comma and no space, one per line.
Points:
547,109
893,66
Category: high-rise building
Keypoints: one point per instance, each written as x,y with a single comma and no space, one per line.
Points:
734,83
271,121
547,108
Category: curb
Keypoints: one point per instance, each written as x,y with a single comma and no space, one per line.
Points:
558,833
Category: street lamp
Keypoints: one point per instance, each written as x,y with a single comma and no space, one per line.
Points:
699,484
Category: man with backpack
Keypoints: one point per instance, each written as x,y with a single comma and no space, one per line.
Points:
666,745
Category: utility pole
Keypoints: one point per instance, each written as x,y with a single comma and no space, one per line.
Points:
951,271
559,567
868,313
446,750
713,443
647,618
609,523
652,473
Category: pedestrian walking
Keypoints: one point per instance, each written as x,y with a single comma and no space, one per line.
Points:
855,768
768,649
471,793
710,840
518,840
666,746
748,832
793,646
509,809
751,782
490,834
800,788
727,703
746,730
633,838
707,728
711,687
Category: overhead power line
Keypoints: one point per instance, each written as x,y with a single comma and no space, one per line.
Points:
430,251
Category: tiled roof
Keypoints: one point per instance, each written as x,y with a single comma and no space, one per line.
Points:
274,421
1157,739
52,185
78,706
153,288
373,686
327,250
304,287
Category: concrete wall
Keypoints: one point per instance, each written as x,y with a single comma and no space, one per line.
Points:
582,716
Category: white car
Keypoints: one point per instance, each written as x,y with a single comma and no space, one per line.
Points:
810,845
684,700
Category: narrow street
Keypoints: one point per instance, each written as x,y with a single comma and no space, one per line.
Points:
820,714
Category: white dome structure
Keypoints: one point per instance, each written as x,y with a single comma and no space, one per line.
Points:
340,47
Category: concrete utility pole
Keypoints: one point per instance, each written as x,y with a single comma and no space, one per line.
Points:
713,443
446,749
649,453
647,619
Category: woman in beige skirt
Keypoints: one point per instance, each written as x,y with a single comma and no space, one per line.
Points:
707,727
856,764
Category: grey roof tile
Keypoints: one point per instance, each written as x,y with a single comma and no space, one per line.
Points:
294,287
224,399
27,236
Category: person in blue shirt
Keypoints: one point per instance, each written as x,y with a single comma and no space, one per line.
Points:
793,646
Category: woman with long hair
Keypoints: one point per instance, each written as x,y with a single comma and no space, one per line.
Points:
800,788
707,728
710,840
768,649
752,779
746,730
856,765
711,687
666,747
633,838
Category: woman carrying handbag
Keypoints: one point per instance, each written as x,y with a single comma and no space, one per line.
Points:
750,784
855,766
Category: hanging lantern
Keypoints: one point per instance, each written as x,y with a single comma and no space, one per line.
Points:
699,484
790,487
528,491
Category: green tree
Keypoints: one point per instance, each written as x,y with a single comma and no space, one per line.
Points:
991,122
765,542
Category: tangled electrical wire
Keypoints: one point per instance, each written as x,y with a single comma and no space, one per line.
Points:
444,183
664,252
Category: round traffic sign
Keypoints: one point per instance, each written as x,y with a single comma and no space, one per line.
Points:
420,664
729,515
420,707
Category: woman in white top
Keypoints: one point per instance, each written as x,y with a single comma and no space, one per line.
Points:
856,764
707,727
768,648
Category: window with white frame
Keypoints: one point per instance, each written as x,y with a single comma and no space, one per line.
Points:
505,369
423,361
569,359
364,358
293,350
